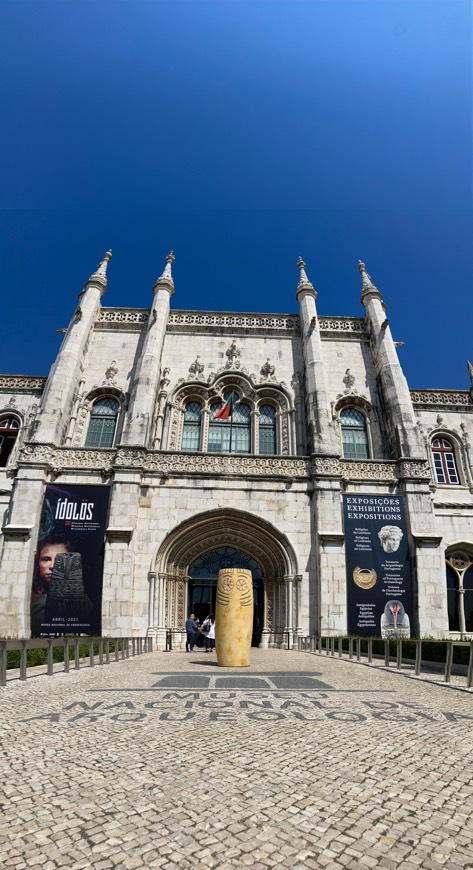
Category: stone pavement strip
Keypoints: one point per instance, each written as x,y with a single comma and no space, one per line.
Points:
168,761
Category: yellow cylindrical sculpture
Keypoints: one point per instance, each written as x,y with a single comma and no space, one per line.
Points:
234,617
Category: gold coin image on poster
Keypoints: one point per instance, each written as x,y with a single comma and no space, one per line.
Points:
365,578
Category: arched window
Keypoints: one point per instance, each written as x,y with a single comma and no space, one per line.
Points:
354,434
9,428
103,421
230,432
444,461
267,430
192,426
460,592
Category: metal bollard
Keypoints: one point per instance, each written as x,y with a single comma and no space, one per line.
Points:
133,646
350,647
100,651
469,676
418,657
386,653
107,651
91,654
66,655
50,657
76,655
370,650
399,653
23,660
358,649
449,662
3,662
340,647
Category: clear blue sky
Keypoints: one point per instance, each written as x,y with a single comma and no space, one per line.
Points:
242,134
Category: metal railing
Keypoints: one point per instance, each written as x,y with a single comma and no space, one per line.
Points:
359,648
123,648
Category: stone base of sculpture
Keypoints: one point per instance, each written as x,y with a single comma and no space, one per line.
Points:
234,618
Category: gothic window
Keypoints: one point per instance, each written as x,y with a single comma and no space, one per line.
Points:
460,592
354,434
267,430
230,433
192,426
103,422
9,428
443,455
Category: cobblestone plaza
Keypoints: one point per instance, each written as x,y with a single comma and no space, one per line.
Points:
299,761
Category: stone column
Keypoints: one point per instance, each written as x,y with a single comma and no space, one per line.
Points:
265,633
124,605
330,539
289,627
151,603
18,552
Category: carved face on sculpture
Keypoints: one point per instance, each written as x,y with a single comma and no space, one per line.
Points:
46,557
390,537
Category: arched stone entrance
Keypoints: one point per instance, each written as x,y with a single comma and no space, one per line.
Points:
245,533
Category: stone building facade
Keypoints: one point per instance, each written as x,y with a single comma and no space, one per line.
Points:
321,410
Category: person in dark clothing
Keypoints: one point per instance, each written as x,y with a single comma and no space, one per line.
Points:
192,631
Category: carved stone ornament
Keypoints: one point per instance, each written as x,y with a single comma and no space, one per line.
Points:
348,380
110,374
22,382
439,419
233,356
165,380
196,368
459,560
268,372
442,398
296,384
12,402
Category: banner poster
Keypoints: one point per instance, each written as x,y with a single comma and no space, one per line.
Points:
379,585
66,596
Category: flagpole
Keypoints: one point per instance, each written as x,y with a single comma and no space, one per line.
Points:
232,405
231,425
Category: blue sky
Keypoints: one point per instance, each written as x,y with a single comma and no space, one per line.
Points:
242,134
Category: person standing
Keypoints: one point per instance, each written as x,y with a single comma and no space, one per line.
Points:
192,631
209,629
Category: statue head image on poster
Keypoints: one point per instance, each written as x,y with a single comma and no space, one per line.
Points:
390,538
395,621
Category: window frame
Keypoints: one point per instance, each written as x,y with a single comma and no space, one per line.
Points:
459,562
6,416
198,426
366,430
439,454
94,402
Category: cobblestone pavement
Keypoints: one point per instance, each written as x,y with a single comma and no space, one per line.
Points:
299,761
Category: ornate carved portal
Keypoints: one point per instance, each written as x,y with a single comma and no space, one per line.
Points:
189,553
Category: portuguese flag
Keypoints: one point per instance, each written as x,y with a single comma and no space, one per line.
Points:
226,410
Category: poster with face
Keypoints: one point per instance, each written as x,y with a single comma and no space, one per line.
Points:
379,584
66,595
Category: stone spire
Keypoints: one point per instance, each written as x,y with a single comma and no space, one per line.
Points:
100,274
367,286
166,277
304,283
470,372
